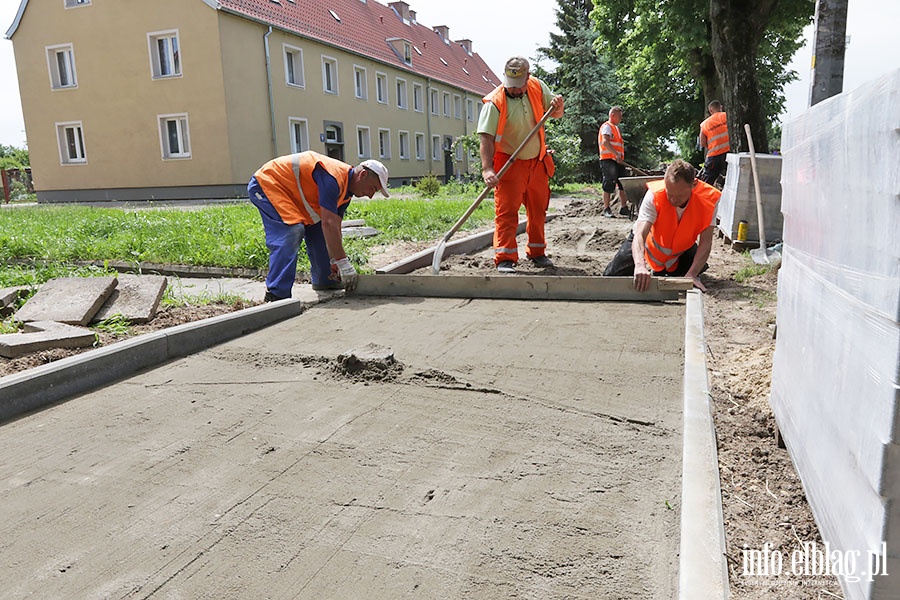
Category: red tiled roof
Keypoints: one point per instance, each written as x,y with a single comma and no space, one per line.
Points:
364,27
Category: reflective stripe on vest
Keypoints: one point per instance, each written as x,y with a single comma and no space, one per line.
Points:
289,185
616,141
535,92
669,237
716,130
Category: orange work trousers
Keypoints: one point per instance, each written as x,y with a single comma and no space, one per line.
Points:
526,182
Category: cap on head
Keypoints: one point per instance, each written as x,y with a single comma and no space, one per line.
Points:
515,73
380,170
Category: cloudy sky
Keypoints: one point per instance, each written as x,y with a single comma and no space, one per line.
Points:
502,28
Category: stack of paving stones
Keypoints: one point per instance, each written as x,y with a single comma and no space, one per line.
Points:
58,314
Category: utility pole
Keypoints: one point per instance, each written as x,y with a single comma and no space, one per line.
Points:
829,43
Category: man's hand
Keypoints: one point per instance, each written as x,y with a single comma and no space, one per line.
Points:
490,177
641,277
348,273
699,285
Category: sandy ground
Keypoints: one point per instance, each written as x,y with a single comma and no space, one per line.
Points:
488,463
762,497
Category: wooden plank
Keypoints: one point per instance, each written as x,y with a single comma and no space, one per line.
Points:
520,287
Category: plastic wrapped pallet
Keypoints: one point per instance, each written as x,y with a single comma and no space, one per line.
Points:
738,202
836,373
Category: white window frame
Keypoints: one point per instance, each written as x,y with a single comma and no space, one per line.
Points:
470,110
403,149
76,3
360,82
363,142
457,106
402,94
381,89
65,157
418,97
436,147
183,132
301,144
293,66
446,104
328,61
434,102
67,52
420,145
173,54
384,143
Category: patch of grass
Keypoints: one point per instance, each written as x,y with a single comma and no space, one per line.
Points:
34,274
751,270
9,326
117,324
173,299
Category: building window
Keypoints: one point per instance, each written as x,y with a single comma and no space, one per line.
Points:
384,143
329,75
435,147
165,54
420,146
470,110
459,151
447,104
457,106
74,3
360,83
402,100
174,136
61,60
433,101
381,88
404,145
299,135
71,143
407,53
293,66
363,143
418,98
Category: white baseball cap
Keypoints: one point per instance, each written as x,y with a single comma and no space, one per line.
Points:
380,170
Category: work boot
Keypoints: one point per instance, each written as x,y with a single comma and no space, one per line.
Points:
541,262
270,297
331,285
625,212
506,266
607,213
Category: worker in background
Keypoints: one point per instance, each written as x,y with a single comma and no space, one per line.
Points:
673,234
508,115
304,196
714,140
612,161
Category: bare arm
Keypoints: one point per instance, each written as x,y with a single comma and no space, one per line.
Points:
486,151
641,269
331,229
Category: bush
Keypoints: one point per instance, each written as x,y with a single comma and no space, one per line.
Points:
428,186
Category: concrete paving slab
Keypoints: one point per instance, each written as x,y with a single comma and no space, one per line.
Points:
71,300
9,296
44,335
136,298
528,449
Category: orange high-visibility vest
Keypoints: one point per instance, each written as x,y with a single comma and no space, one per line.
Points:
716,130
290,187
616,142
535,96
668,236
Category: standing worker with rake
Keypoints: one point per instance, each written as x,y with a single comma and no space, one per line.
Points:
509,113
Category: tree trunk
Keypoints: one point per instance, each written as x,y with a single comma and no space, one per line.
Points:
828,50
737,28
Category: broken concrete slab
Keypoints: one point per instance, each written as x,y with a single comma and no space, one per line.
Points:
45,335
136,298
71,300
9,296
349,232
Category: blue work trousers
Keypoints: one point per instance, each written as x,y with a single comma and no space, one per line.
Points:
283,242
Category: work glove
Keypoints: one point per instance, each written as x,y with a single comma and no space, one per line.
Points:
348,273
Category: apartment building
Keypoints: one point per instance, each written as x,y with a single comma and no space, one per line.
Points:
184,99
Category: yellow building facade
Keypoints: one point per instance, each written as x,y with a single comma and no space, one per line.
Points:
185,99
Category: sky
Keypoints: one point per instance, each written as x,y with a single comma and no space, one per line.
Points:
503,28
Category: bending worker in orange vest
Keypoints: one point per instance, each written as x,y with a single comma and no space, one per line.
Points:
509,113
302,196
612,159
664,240
714,139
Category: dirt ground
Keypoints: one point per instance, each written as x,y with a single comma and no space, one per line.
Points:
763,499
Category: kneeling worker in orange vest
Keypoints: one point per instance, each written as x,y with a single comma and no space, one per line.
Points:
664,242
304,196
509,113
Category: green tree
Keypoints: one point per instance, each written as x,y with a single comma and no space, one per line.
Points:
674,56
13,158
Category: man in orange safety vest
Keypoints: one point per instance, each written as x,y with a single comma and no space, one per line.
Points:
714,139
